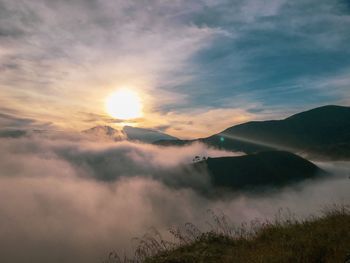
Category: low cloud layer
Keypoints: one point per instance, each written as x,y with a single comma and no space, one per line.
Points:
67,199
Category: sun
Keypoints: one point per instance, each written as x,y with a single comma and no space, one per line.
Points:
124,104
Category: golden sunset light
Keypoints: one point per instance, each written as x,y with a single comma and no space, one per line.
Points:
124,104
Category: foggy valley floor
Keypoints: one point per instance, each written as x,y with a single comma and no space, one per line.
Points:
68,199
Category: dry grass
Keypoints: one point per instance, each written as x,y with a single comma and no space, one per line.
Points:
285,239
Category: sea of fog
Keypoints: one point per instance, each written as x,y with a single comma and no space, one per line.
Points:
67,199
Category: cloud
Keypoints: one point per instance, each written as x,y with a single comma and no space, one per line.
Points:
106,161
10,121
272,49
95,47
204,122
56,204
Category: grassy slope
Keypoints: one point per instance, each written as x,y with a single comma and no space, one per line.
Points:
324,239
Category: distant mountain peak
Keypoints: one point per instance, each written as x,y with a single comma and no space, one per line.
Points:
127,133
107,129
105,132
146,135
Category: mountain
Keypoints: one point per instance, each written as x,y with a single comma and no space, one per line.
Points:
270,168
128,133
105,132
145,135
320,132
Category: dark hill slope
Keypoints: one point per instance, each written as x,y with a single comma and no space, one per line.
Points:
315,131
321,132
272,168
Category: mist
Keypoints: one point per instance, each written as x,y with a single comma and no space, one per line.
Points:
68,199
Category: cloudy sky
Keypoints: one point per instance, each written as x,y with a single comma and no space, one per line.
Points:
198,66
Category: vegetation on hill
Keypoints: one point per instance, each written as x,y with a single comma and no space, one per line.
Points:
254,171
285,239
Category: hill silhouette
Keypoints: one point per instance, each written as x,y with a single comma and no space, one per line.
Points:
253,171
321,132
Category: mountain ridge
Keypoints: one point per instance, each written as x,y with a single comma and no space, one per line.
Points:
322,132
127,133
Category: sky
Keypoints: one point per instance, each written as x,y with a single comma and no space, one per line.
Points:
198,66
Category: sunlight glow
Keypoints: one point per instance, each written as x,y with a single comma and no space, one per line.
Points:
124,104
